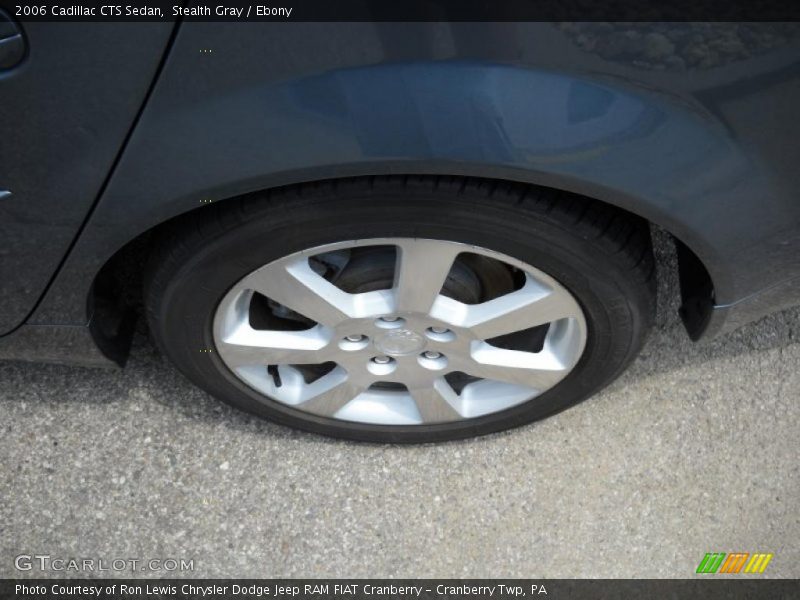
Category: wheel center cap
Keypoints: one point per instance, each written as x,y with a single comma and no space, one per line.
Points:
399,342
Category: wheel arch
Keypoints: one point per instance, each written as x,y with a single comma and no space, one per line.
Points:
116,287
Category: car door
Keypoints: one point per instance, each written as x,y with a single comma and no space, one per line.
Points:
69,96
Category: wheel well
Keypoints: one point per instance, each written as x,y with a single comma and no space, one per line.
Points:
697,291
117,290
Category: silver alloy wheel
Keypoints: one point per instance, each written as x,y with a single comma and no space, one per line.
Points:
411,335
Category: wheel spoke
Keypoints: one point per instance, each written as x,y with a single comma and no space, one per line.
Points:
422,269
434,403
299,288
540,370
248,346
530,306
330,393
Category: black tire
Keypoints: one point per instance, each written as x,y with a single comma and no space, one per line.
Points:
602,255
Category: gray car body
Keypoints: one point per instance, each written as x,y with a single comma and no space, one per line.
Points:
698,138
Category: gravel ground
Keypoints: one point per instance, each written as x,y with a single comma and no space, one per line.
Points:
693,450
680,46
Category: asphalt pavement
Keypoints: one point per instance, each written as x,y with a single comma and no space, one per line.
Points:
693,450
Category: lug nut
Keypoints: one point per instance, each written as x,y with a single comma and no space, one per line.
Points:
381,365
440,334
354,338
432,360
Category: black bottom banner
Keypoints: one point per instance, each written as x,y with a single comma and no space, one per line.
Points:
402,589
